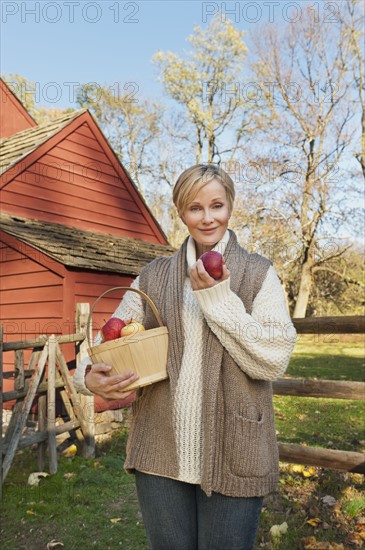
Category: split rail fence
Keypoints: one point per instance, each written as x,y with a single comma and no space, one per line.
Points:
329,389
47,356
47,371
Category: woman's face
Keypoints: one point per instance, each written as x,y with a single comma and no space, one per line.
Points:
207,216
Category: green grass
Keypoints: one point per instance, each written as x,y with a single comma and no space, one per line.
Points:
76,505
329,423
355,507
327,360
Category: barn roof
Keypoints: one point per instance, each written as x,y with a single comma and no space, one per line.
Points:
84,249
16,147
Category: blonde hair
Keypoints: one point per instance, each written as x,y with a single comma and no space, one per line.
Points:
194,178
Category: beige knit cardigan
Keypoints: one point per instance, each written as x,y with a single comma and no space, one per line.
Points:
240,455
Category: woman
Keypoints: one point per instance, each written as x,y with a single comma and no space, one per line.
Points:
202,444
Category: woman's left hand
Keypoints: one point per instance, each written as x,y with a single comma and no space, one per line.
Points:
201,279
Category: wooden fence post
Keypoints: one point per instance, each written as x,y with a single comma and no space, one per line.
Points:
86,401
51,405
42,427
23,413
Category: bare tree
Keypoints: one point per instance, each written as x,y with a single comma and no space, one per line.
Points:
205,85
306,126
352,21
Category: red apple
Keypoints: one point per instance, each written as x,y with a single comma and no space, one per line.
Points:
213,263
111,329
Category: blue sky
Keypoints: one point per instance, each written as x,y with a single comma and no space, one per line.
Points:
107,51
109,41
62,43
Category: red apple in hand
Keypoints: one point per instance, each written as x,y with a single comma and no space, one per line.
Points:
111,329
213,263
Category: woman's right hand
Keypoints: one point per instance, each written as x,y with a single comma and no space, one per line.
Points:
99,382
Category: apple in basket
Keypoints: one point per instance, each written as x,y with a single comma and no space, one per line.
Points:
111,329
131,327
213,263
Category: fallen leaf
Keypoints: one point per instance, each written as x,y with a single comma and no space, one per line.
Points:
355,539
320,545
283,528
118,520
70,451
68,475
308,472
336,511
275,531
54,544
31,513
35,477
311,543
314,522
308,540
360,522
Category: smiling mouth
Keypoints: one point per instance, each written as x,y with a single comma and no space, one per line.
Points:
210,229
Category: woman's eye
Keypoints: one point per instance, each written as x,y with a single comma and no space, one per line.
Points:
218,205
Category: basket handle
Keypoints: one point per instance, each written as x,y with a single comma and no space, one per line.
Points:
140,292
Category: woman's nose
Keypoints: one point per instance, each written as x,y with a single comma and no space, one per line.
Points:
207,216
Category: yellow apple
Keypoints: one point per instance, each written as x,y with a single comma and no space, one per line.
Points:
132,328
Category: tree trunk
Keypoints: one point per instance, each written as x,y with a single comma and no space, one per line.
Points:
304,291
361,157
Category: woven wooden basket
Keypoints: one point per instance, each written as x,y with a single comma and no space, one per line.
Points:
144,353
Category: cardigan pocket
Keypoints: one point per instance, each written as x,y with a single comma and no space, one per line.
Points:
250,453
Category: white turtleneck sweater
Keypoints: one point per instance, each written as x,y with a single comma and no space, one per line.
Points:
259,343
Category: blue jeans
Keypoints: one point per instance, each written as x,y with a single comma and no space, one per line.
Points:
180,516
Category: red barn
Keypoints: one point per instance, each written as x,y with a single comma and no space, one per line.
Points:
73,223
